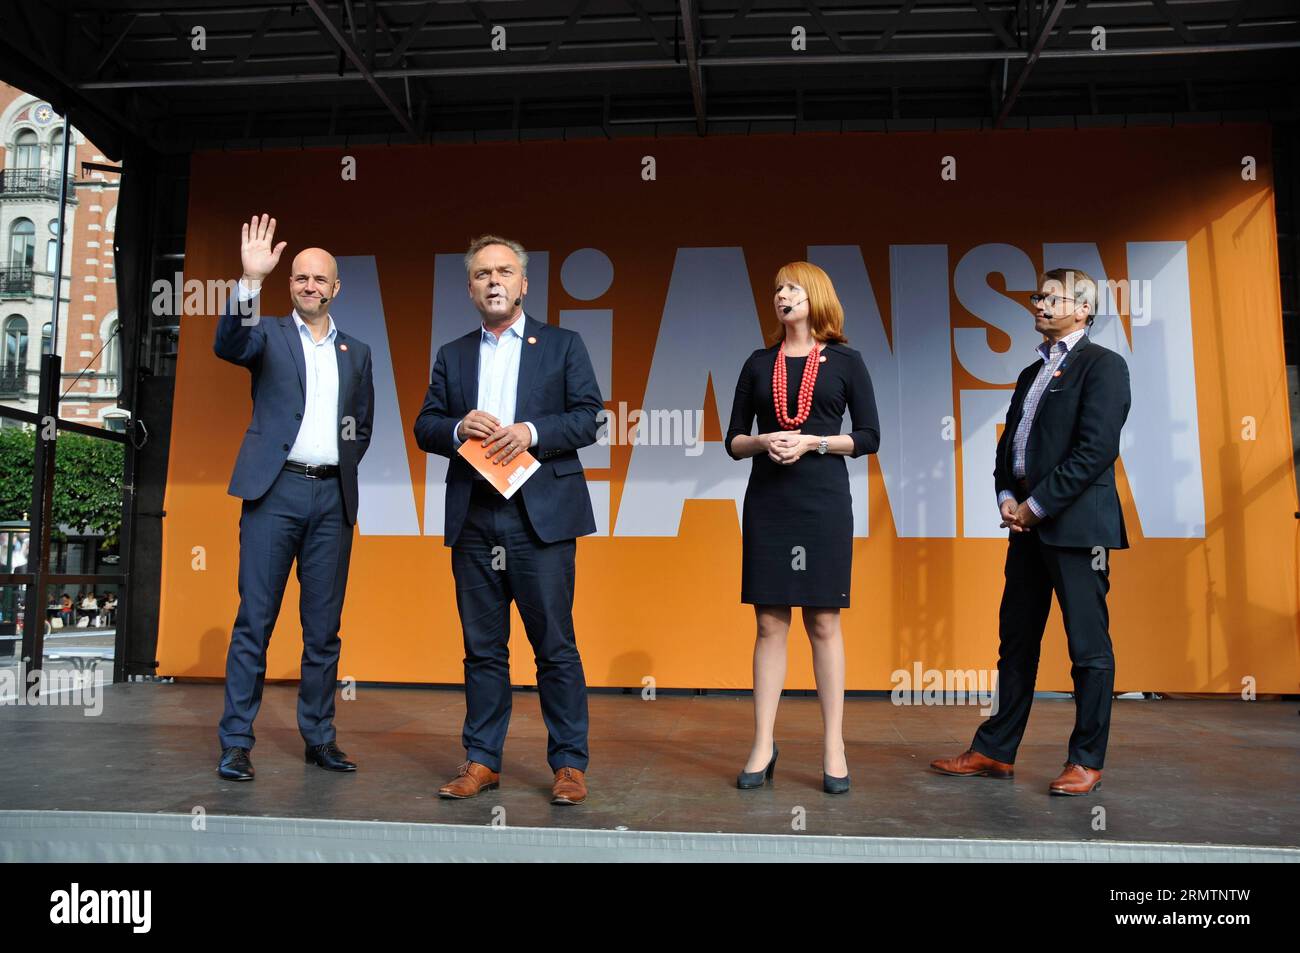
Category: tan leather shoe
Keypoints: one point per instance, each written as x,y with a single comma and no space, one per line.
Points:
972,764
1076,779
570,787
471,777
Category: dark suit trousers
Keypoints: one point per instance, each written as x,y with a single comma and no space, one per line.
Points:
299,518
1034,571
499,557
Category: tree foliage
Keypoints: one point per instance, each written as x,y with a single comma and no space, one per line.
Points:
87,481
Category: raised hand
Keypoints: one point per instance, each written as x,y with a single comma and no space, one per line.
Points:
258,255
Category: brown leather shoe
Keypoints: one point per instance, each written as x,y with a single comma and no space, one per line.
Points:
972,764
570,787
471,777
1076,779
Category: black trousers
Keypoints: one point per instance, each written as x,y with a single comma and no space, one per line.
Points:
299,518
497,558
1034,571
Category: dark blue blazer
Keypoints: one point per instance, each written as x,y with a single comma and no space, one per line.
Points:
1072,447
557,393
272,352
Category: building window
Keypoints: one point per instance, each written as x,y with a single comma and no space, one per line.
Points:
27,151
22,243
112,350
15,345
51,254
45,338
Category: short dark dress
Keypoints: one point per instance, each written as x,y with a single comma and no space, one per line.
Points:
806,503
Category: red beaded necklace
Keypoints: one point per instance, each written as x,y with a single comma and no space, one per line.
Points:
779,394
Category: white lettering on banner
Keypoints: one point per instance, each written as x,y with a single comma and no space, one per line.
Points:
586,275
912,382
970,282
710,326
386,501
709,329
981,412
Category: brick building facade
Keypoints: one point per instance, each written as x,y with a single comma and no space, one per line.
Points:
31,143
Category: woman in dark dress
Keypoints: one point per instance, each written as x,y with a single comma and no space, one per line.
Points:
798,514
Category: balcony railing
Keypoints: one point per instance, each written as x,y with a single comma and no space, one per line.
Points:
33,183
18,382
16,282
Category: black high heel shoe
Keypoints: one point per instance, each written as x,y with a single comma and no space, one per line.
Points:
834,785
756,779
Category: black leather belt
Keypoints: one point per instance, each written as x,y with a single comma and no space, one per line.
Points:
481,491
316,472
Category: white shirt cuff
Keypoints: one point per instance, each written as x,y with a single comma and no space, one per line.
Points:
246,293
532,430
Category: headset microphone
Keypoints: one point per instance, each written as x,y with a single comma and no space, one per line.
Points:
787,308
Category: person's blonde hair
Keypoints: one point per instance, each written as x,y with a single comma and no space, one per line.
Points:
825,313
483,241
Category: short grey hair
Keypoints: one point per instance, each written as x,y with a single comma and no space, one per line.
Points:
483,241
1078,285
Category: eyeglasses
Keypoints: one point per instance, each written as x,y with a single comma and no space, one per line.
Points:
1050,300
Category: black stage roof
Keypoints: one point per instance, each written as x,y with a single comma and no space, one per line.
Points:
228,73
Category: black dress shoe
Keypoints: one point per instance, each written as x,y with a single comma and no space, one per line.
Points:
235,764
329,756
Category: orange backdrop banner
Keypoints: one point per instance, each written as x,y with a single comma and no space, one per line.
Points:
662,254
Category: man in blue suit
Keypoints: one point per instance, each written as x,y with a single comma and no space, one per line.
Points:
313,406
515,383
1055,483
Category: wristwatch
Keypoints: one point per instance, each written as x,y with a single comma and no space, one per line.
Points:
821,447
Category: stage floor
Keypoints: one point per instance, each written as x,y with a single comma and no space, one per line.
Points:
1179,773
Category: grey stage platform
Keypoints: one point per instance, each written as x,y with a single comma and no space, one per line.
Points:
1185,780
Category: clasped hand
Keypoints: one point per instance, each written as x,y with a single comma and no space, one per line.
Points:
1017,517
786,446
503,443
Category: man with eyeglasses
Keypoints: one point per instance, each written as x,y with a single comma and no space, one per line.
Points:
313,408
1055,482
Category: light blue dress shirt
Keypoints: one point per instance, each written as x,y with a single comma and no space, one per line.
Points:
1052,356
498,376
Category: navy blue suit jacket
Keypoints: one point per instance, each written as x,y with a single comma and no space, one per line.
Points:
272,351
1072,447
557,393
